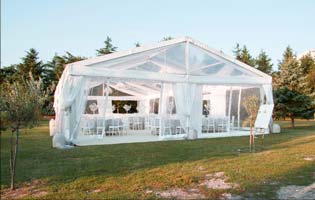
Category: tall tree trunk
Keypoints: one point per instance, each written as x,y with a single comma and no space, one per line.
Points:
292,122
13,154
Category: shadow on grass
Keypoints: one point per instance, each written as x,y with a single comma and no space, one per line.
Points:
267,189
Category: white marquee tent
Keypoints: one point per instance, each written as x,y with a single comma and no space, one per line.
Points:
171,90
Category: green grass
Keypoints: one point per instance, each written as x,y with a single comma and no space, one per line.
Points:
129,170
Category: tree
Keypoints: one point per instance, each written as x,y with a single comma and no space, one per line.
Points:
292,104
167,38
8,73
109,47
237,51
263,62
137,44
56,67
58,64
31,64
251,104
290,71
307,64
20,104
243,55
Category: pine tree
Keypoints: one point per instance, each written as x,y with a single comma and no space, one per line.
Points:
263,63
237,51
31,64
243,55
289,99
167,38
292,104
109,47
307,81
137,44
290,71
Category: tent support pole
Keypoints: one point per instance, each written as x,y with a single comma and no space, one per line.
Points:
230,104
160,109
104,113
187,77
239,107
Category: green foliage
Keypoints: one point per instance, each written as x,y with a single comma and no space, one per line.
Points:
58,64
307,80
137,44
167,38
243,55
251,105
292,104
263,63
20,102
8,74
290,71
109,47
31,64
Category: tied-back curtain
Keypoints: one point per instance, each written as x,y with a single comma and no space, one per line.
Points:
188,103
78,107
196,111
70,98
268,92
83,86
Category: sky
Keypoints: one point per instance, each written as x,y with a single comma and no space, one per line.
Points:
81,26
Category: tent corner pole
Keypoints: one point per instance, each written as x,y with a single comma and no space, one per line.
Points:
105,107
160,109
229,112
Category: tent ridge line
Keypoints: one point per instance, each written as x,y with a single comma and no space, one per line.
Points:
131,51
229,58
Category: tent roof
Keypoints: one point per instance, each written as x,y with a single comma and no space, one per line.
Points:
178,60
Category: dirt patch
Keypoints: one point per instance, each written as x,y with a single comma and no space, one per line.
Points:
309,158
28,190
297,192
228,196
179,193
217,181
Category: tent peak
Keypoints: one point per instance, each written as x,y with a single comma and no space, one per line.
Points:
165,44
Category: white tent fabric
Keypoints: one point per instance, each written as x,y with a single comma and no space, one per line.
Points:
188,100
176,72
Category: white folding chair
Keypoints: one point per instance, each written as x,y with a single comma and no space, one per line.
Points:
222,124
115,127
178,128
87,127
155,126
100,126
136,124
125,125
210,125
167,127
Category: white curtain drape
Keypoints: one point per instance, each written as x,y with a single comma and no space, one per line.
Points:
70,98
268,91
78,107
196,111
143,106
188,101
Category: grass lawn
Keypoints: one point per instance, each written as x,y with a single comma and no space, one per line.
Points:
139,170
